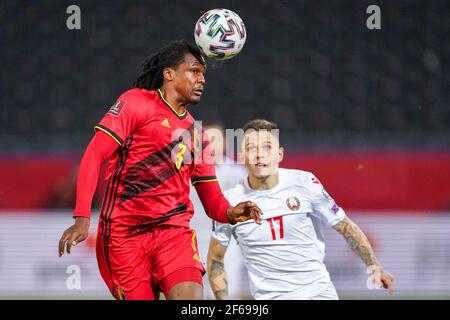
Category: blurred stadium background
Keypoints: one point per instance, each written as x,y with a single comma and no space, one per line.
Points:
367,111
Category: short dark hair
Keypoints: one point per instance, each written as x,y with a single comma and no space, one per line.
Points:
214,123
259,124
170,56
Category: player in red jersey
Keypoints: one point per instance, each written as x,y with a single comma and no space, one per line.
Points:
144,244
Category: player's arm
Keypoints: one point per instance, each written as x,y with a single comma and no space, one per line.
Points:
359,243
326,209
100,148
126,115
216,269
219,209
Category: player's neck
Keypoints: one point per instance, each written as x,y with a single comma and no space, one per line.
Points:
264,183
171,98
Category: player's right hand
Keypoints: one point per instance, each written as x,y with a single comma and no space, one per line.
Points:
74,235
244,211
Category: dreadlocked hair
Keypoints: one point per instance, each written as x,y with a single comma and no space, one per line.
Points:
170,56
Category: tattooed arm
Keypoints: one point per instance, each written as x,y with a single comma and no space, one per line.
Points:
216,270
357,240
359,243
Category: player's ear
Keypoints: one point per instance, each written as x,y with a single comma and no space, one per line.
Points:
168,74
280,154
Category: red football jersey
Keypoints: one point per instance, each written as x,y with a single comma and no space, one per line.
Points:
148,177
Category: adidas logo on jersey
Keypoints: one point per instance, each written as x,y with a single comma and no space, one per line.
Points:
165,123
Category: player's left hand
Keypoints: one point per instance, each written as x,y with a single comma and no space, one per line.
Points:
387,280
244,211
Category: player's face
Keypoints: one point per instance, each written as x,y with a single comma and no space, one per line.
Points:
261,153
189,80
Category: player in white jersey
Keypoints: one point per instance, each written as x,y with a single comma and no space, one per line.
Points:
284,255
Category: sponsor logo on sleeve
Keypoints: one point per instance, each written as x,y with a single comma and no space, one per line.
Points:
117,107
335,208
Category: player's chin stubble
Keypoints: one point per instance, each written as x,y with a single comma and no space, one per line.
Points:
195,99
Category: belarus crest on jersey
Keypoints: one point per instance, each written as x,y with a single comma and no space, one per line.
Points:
293,203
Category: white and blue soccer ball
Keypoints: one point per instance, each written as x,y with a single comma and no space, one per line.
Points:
220,34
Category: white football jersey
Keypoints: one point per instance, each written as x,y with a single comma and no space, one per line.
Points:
284,255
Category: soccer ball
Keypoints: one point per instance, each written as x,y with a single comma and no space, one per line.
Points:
220,34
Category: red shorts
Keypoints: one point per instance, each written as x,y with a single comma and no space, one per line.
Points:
140,267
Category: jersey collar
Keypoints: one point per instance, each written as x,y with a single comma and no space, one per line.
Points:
181,116
265,191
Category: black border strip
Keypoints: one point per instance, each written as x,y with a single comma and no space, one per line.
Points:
203,179
109,131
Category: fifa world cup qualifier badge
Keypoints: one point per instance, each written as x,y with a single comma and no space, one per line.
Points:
293,203
117,107
334,207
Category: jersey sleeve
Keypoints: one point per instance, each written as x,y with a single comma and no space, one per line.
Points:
221,232
99,150
124,116
324,206
204,170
